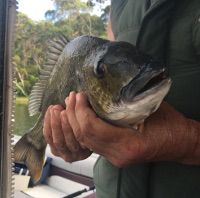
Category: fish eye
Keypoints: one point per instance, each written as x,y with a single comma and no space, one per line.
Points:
101,70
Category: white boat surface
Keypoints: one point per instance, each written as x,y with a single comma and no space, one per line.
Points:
65,178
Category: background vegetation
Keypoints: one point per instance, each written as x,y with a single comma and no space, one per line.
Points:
71,17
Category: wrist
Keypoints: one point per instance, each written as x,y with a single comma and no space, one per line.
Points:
192,154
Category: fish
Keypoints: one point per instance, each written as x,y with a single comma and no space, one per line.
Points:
122,85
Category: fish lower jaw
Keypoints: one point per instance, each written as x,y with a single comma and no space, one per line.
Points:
160,88
142,106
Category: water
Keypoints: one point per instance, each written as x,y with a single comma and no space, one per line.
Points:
22,120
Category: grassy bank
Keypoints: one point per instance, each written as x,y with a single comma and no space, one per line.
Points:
21,100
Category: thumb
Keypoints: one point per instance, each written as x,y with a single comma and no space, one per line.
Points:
84,112
82,105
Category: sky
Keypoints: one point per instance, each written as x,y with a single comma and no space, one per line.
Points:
35,9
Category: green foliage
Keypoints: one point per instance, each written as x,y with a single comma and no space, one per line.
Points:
70,17
105,14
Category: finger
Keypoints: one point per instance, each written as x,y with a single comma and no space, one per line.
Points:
72,144
84,114
92,126
71,157
66,101
99,136
47,126
82,145
57,134
72,117
86,117
54,150
82,104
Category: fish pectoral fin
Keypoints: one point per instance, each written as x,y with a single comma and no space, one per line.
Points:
32,157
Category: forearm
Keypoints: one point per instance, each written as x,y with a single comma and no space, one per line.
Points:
172,137
110,35
193,153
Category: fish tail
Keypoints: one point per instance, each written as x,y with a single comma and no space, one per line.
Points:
31,153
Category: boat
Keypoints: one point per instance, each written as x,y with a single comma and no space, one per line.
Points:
64,180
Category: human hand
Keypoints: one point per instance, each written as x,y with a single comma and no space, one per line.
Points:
168,135
58,134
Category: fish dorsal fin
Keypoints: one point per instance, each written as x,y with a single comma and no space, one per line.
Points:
54,52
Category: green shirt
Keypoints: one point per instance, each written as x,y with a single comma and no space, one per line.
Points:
168,30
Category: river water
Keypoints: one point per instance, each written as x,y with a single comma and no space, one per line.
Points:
22,120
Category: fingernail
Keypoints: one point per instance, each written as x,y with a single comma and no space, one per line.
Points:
70,95
56,112
51,111
65,119
78,95
66,100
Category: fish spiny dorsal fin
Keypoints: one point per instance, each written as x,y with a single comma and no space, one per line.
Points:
55,49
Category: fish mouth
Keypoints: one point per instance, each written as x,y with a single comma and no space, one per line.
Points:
150,80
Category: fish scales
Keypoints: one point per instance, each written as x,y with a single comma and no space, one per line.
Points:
122,85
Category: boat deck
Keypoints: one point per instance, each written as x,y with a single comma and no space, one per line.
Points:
65,179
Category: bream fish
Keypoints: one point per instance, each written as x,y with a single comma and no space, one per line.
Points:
122,85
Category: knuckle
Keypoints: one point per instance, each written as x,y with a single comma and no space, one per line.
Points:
76,156
83,146
119,164
79,136
64,120
47,114
82,157
74,148
59,145
55,124
68,158
53,151
58,107
86,129
48,138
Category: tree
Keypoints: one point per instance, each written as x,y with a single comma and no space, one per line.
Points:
70,17
50,15
68,8
24,28
29,52
105,14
